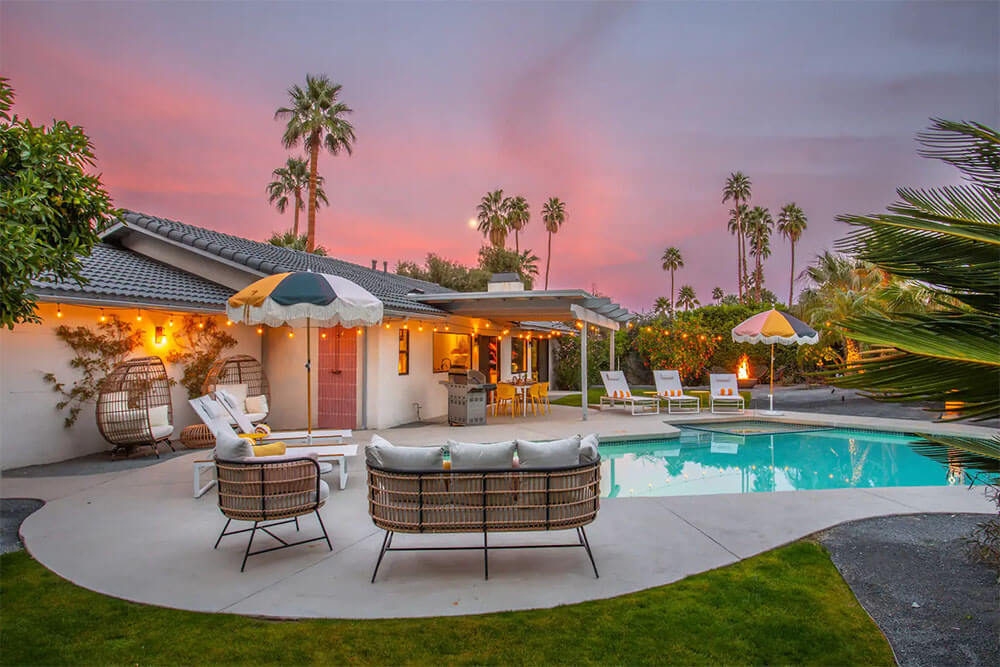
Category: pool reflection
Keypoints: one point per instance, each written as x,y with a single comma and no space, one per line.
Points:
704,463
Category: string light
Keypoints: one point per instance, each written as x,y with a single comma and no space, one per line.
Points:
323,335
447,328
359,331
138,316
229,323
386,326
260,330
170,322
103,317
291,334
201,325
58,310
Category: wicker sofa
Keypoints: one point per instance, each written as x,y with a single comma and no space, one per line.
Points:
484,501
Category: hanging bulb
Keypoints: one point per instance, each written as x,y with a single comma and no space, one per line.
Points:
386,326
229,323
103,317
323,335
58,310
170,322
291,334
260,330
138,316
201,325
447,328
359,331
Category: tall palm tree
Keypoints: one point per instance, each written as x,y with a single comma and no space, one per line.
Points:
492,214
791,223
553,216
672,261
760,225
737,227
288,184
518,216
717,294
317,120
686,298
737,188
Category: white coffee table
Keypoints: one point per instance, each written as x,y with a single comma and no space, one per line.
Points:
327,450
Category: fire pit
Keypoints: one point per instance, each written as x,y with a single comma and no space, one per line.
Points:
743,378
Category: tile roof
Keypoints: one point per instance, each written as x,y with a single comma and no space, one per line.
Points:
266,258
128,276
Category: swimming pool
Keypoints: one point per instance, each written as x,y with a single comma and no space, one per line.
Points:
707,462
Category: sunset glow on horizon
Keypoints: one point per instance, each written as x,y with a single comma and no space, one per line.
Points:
631,114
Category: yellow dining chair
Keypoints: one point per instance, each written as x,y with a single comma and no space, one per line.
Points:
534,398
543,395
506,394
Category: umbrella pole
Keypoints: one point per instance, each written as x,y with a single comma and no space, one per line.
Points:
770,396
309,401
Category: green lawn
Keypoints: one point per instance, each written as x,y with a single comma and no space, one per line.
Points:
786,606
594,396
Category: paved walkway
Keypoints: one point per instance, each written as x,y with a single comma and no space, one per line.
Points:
139,535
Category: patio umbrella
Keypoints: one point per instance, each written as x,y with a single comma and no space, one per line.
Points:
774,326
305,299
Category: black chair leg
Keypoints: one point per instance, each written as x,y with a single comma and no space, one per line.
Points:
586,543
297,522
321,525
381,552
486,558
246,555
228,521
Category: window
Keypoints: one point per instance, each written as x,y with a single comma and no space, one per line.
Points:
404,351
452,351
517,355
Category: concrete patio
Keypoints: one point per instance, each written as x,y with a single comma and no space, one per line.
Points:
138,534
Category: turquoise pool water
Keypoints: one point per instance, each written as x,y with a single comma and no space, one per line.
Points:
704,462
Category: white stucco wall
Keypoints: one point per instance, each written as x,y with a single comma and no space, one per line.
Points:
390,395
31,428
284,361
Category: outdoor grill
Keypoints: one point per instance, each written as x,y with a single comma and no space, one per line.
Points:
467,394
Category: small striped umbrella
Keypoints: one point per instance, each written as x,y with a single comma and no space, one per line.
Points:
305,299
774,326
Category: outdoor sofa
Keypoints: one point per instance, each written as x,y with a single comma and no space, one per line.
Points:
483,489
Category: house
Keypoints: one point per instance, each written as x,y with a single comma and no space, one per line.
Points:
153,271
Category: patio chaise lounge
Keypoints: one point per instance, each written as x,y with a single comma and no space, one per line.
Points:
668,386
616,391
725,393
261,431
555,486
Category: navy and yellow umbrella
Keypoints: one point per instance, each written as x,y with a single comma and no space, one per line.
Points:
774,326
305,299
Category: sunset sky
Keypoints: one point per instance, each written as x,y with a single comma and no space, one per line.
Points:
632,114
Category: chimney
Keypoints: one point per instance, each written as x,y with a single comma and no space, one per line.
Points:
505,282
385,266
374,264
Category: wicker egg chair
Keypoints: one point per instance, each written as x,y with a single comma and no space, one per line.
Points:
238,369
134,408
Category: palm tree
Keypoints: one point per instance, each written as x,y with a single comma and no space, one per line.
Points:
791,223
662,305
737,226
759,233
493,215
672,261
518,216
289,239
289,183
737,188
717,294
316,119
553,216
686,297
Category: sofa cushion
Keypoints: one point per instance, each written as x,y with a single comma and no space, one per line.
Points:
472,456
256,405
231,447
160,432
159,416
554,454
588,448
383,454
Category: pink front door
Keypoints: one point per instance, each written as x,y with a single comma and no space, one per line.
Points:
338,381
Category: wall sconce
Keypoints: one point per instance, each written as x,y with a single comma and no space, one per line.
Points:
159,338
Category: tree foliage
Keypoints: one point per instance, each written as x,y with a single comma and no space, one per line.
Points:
949,240
288,239
52,209
289,182
97,352
553,217
199,341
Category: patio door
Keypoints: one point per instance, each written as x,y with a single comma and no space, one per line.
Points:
338,378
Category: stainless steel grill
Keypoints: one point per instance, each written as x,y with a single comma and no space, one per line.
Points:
467,397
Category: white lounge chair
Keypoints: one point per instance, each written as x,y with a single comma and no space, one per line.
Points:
725,392
616,391
263,433
668,386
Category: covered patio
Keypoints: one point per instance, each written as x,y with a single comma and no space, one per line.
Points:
544,313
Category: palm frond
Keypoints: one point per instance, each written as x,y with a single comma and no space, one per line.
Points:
971,147
965,452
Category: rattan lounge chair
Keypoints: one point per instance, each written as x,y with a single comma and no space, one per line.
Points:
134,407
270,491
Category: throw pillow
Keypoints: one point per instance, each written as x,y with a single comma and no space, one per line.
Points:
472,456
383,454
554,454
256,404
231,447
